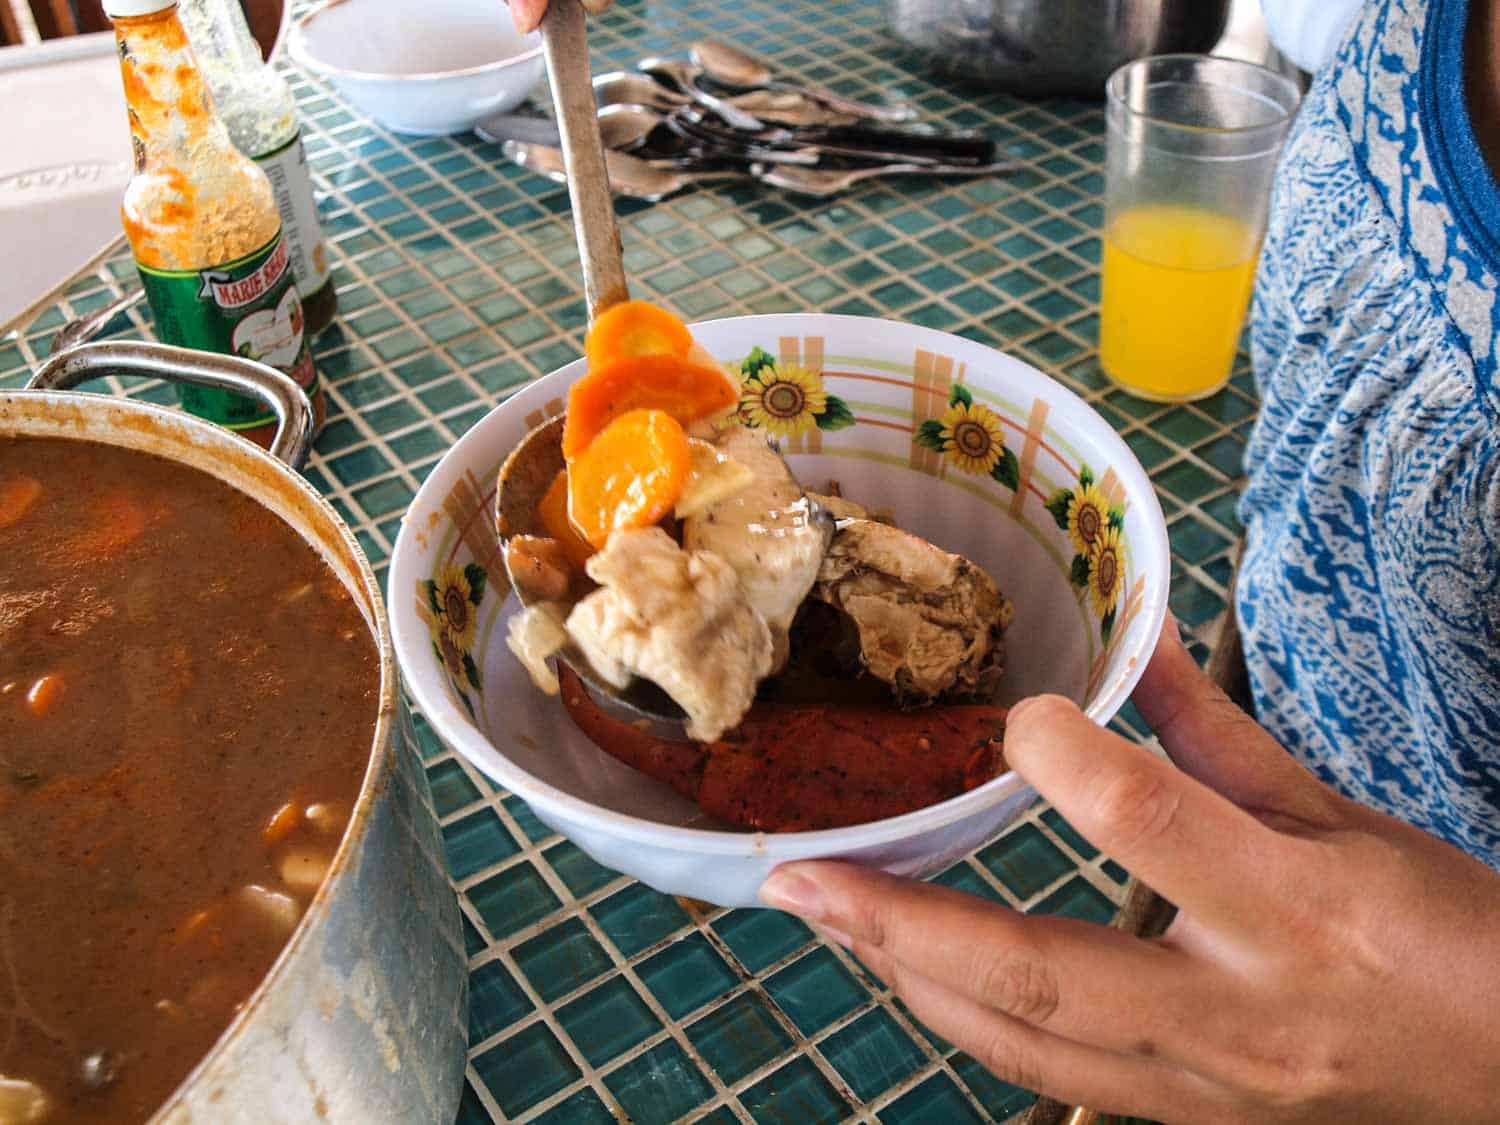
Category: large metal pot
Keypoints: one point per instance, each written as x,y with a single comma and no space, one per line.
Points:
1039,47
363,1016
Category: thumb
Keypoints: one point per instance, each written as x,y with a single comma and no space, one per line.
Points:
527,14
1214,741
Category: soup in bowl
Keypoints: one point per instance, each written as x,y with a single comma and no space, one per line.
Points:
969,449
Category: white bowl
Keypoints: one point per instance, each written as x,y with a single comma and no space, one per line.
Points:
891,378
433,68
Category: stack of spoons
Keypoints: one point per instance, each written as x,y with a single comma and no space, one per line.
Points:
723,115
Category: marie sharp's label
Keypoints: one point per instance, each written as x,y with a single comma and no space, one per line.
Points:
248,307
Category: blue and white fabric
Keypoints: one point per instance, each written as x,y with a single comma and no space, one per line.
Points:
1370,589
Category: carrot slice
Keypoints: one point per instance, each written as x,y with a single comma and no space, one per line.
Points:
119,520
280,826
553,512
686,390
45,695
629,476
635,328
17,495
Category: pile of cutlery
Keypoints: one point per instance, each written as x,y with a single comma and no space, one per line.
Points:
722,115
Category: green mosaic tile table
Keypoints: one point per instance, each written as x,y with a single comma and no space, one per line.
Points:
594,998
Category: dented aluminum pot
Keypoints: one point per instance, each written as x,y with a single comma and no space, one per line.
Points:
364,1015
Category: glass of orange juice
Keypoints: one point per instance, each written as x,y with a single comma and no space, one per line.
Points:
1192,147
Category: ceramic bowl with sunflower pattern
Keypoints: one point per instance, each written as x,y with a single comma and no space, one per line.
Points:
969,448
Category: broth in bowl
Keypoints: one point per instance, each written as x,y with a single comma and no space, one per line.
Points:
188,697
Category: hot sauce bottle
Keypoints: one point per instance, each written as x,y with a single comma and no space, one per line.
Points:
202,223
260,112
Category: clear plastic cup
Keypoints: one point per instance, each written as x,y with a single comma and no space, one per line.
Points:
1192,147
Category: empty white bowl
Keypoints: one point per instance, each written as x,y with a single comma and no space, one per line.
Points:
892,386
431,68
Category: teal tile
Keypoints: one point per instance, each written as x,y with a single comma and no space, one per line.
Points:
475,842
582,875
999,1098
1025,861
496,1001
525,1069
637,917
583,1108
1192,603
662,1084
526,820
1227,454
761,937
1187,480
1225,509
1194,541
962,877
815,990
873,1053
474,942
451,787
561,958
1068,834
471,1110
687,974
513,899
797,1093
937,1101
1077,899
607,1020
739,1037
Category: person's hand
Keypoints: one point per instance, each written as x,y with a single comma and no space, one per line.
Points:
528,13
1327,964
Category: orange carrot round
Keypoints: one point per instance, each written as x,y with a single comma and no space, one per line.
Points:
629,476
634,328
686,390
553,512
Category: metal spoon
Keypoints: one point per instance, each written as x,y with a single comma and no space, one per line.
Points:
621,127
684,76
623,87
830,181
533,464
630,176
729,66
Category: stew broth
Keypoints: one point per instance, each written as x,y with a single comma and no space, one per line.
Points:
187,701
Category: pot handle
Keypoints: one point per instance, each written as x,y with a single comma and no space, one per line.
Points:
290,404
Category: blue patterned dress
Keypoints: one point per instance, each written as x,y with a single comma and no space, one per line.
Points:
1370,589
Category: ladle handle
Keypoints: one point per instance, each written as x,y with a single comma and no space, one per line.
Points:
290,404
565,45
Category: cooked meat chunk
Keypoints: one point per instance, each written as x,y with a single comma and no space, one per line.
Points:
930,623
766,532
535,635
678,618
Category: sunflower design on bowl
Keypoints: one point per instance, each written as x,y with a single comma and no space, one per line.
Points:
453,598
969,435
1095,530
785,400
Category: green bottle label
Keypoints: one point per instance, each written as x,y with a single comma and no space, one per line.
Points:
248,307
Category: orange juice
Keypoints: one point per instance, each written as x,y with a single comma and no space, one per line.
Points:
1176,285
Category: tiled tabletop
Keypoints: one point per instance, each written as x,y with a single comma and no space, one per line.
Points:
594,998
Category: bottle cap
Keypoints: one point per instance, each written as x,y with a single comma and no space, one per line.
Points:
113,8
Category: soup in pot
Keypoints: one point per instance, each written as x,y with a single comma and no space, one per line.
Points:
188,697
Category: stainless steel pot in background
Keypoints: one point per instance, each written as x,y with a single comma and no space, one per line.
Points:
363,1018
1041,47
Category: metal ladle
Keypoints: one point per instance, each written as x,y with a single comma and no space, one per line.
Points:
533,464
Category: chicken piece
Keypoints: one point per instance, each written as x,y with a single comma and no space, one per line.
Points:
767,533
678,618
713,477
930,623
535,635
840,508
